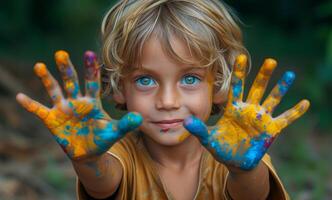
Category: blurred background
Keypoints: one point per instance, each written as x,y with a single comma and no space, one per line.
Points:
297,33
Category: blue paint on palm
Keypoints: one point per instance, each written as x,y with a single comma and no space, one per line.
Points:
63,142
244,157
223,151
113,131
105,137
83,131
285,82
255,153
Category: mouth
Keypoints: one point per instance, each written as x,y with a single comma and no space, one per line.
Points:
168,124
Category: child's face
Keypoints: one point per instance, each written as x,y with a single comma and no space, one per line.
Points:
165,92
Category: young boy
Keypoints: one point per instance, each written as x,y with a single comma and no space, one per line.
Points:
167,62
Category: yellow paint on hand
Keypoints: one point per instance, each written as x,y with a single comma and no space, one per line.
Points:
258,88
69,85
240,66
42,113
268,66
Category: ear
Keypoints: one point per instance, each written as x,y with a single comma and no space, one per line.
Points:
119,98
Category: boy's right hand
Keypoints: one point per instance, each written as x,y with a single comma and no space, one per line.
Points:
79,123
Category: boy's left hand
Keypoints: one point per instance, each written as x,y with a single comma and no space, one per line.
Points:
247,129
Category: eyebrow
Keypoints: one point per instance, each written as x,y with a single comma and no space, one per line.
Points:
190,68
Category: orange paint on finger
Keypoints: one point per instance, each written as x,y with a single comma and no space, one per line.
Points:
40,69
47,82
61,57
31,106
42,113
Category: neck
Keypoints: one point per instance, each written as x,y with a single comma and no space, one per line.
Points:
177,157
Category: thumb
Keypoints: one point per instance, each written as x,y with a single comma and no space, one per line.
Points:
197,128
109,135
129,122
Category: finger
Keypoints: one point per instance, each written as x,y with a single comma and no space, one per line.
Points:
129,122
51,85
33,106
197,128
292,114
278,91
258,88
92,75
236,90
68,73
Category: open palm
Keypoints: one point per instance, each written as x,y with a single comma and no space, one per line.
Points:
79,123
247,129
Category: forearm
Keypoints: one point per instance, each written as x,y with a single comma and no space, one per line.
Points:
100,176
253,184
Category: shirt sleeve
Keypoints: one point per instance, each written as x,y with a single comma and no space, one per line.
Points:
277,190
119,151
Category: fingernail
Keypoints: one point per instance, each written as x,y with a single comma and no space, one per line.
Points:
61,57
90,61
40,69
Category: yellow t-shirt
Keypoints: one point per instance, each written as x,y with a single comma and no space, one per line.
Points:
140,180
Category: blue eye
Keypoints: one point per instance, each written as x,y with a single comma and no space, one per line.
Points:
190,80
145,81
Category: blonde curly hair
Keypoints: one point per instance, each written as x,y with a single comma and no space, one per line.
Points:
207,27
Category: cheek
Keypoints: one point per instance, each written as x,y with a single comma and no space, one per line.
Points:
200,103
138,103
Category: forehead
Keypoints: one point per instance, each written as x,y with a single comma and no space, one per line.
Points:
156,50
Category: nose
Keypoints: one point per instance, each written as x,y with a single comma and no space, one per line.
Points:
168,98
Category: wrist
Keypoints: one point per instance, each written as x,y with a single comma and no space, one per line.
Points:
235,171
89,161
95,168
253,184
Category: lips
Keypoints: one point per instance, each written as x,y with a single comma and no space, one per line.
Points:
166,124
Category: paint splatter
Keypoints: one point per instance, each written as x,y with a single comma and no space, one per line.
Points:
237,87
285,82
246,130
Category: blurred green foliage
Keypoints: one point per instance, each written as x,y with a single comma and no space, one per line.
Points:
297,33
